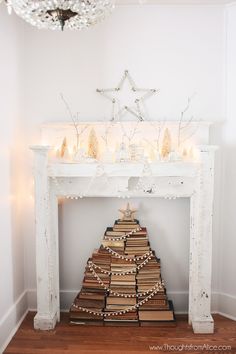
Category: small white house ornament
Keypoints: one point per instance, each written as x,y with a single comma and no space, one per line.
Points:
136,152
122,154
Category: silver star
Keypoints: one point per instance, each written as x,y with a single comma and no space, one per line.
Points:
118,109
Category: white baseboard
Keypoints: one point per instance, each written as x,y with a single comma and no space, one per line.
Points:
11,321
180,301
227,305
226,315
179,298
66,299
223,304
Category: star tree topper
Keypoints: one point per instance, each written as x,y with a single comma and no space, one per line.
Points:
119,109
127,214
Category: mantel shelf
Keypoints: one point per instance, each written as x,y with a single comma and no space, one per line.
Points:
160,169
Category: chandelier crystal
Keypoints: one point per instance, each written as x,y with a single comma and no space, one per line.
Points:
60,14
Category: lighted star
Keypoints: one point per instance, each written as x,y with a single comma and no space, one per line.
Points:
127,214
118,108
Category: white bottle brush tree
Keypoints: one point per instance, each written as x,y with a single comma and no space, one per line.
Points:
93,149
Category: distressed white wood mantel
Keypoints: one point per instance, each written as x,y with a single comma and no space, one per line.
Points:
172,179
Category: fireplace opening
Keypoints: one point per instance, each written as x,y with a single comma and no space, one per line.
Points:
82,224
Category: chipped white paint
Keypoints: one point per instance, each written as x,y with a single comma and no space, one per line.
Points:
47,303
173,180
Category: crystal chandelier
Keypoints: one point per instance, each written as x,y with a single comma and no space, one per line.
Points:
60,14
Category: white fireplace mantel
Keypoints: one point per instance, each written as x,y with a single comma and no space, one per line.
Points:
172,180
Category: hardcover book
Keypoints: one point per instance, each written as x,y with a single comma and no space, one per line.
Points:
122,283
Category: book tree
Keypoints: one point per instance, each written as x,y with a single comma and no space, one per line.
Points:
122,282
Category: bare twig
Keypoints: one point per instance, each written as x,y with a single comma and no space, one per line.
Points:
190,134
183,124
132,133
158,130
75,120
106,133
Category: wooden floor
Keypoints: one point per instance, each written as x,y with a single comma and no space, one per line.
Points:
97,340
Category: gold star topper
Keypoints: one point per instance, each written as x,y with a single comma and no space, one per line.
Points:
127,214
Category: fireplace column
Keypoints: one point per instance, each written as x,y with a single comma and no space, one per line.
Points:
201,244
46,228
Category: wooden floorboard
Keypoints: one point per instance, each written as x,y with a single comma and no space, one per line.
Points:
97,340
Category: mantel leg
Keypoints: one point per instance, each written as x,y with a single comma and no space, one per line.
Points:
47,314
201,248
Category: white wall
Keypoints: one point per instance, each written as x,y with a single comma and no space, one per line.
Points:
228,239
179,49
13,300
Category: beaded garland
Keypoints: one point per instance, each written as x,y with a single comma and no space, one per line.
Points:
133,270
120,294
127,258
92,266
157,287
123,237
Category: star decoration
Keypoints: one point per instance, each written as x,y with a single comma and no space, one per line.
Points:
119,109
128,214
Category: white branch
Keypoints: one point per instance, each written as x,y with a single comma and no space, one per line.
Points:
75,121
183,125
132,133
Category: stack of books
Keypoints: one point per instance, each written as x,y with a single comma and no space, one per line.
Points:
157,311
137,244
122,284
117,246
94,300
157,315
92,295
118,277
148,275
